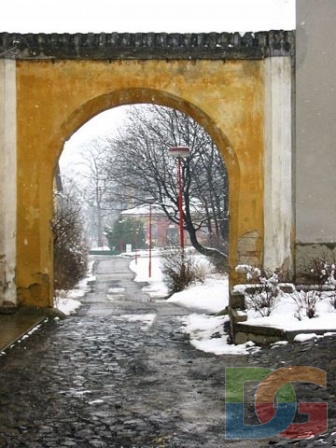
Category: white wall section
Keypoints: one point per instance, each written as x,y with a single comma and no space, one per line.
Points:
278,195
315,123
7,180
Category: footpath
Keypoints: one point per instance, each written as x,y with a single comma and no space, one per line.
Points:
120,373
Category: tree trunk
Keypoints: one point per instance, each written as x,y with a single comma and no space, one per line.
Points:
217,256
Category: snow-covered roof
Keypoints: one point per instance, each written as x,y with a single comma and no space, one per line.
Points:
143,210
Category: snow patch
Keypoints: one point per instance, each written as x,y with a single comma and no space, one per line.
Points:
211,296
302,337
207,334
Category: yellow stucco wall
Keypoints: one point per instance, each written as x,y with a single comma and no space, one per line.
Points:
55,98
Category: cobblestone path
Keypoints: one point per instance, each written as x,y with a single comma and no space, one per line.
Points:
120,373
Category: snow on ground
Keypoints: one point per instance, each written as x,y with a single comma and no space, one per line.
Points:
298,310
205,330
211,296
303,337
290,315
69,301
149,273
207,334
208,298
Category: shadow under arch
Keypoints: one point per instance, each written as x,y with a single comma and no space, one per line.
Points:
101,103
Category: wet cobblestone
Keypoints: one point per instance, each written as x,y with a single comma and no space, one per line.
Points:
97,379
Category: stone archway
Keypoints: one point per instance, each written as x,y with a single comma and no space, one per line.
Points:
56,98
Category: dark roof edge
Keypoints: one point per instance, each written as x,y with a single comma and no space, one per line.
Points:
117,46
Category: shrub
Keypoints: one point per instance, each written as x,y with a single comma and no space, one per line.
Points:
262,303
331,281
324,277
306,303
266,291
180,271
320,272
70,251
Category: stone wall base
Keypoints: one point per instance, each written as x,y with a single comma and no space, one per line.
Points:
243,333
306,253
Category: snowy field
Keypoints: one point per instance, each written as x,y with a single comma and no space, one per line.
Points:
205,299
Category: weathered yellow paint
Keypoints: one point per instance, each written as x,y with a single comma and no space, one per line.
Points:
56,98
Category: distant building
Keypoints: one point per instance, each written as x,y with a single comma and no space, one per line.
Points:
164,232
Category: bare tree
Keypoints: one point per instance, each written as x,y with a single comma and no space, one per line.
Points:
96,185
140,166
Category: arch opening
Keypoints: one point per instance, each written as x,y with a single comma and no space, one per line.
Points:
131,174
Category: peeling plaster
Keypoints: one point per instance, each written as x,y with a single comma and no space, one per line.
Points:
249,249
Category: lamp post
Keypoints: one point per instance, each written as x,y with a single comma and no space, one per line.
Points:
135,237
99,217
150,242
179,153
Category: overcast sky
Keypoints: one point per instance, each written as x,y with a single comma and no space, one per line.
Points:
145,15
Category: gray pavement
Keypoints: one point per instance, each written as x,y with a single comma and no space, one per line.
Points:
17,323
101,378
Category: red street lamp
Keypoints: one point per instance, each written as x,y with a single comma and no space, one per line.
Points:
180,152
150,242
135,237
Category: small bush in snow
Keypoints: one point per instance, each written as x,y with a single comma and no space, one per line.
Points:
306,303
178,271
324,275
261,303
266,292
320,272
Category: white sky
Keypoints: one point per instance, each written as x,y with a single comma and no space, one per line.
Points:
145,15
